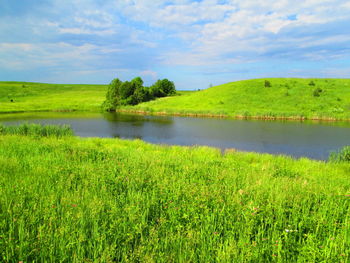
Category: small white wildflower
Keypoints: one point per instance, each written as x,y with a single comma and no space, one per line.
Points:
290,230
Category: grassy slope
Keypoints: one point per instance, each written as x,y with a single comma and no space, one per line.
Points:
109,200
286,98
50,97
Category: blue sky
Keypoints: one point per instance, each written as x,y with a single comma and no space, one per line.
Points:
193,43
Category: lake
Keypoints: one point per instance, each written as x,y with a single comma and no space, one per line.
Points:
310,139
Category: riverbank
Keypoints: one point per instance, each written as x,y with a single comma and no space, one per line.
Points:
120,200
238,117
283,99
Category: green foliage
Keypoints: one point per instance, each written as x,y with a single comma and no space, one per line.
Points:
341,156
311,83
163,88
113,92
108,200
132,93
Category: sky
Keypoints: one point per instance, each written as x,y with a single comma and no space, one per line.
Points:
195,43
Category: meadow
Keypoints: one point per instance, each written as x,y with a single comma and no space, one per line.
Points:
280,98
69,199
26,96
284,98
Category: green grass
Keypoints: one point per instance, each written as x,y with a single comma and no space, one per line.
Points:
27,96
286,98
68,199
36,130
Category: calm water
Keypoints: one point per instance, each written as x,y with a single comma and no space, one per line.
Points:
314,140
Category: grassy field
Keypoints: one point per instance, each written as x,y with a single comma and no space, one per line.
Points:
68,199
285,98
24,96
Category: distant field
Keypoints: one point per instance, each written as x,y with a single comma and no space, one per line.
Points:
25,96
68,199
286,98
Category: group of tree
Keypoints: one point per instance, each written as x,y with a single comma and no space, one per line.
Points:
133,92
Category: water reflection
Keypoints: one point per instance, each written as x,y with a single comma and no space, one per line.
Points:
314,140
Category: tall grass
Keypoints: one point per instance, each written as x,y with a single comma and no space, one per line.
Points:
109,200
37,130
342,155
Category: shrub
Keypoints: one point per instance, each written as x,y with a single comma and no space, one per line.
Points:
317,92
267,84
311,83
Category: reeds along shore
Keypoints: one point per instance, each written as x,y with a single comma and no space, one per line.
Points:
242,117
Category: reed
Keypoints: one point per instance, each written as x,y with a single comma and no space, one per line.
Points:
343,155
37,130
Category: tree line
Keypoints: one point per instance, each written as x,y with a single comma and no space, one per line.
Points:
133,92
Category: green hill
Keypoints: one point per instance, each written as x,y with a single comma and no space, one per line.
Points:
26,96
284,98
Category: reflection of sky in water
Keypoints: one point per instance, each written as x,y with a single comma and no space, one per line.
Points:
292,138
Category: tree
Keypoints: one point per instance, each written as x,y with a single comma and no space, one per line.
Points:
113,95
156,89
163,88
141,94
133,92
168,87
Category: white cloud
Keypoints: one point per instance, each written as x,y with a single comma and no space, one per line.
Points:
213,31
84,36
80,31
22,56
149,73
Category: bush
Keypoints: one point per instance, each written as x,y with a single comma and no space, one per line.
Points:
317,92
341,156
267,84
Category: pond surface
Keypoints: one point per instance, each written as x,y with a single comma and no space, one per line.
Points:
309,139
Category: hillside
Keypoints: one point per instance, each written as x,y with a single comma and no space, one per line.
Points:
25,96
285,98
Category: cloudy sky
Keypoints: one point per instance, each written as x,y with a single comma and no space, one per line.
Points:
194,43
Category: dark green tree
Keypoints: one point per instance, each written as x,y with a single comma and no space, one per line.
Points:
156,89
113,95
133,92
168,87
163,88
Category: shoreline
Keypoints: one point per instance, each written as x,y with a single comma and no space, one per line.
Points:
195,115
238,117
